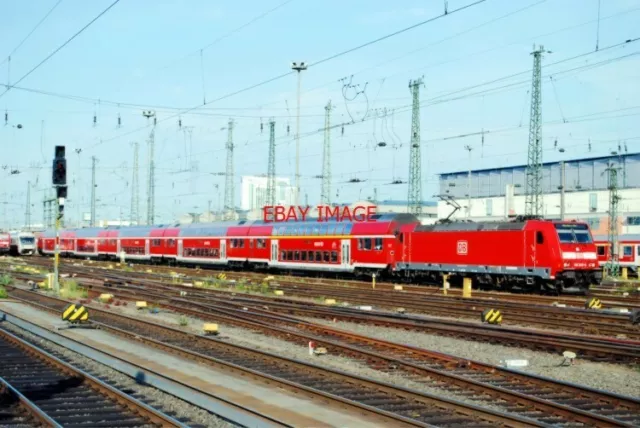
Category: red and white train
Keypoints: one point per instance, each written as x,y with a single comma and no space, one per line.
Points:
628,251
17,243
532,254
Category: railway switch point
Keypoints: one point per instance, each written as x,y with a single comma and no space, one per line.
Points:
210,329
491,316
593,303
466,288
141,305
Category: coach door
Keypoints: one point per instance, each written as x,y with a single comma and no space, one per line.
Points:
345,253
180,251
146,247
274,251
223,249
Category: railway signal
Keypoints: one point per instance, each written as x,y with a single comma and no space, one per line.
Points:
59,179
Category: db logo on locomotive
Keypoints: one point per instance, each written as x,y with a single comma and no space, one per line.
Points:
463,248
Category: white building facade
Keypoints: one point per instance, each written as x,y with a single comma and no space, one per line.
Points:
496,194
253,193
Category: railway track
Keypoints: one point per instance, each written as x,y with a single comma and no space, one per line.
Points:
586,346
561,403
516,313
53,393
389,404
608,298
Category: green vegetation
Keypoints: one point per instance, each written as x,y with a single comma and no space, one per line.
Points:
3,293
183,321
5,280
71,290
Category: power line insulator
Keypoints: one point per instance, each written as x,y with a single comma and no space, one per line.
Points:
95,120
119,120
342,131
6,118
288,130
180,123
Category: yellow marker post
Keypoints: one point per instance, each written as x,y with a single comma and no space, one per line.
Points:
278,293
373,281
466,287
625,274
445,284
141,304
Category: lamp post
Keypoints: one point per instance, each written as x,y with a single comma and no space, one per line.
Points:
298,66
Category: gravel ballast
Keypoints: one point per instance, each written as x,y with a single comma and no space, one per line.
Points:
616,378
187,413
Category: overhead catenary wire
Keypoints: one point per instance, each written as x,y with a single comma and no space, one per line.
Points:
33,30
59,48
280,76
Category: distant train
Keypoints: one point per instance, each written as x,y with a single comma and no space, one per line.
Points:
534,255
628,251
5,242
22,243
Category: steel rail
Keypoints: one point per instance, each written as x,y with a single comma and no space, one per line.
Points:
70,394
388,403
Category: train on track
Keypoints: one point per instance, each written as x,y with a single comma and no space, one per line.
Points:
531,255
628,251
18,243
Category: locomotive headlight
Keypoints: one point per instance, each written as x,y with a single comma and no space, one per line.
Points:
60,201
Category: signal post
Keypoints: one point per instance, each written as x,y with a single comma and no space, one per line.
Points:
60,184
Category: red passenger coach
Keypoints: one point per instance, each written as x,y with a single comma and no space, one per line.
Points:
533,254
5,243
628,251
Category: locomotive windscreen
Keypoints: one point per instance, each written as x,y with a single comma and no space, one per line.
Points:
574,233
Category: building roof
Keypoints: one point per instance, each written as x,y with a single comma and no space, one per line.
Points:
614,158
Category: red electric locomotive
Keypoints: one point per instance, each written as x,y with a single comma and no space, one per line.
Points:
535,255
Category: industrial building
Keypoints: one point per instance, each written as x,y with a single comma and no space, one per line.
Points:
253,192
573,189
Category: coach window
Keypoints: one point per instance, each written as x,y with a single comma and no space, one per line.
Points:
326,256
378,244
627,250
367,244
283,255
289,255
318,256
310,256
296,256
155,242
539,237
360,243
303,256
334,256
250,243
638,247
171,242
600,249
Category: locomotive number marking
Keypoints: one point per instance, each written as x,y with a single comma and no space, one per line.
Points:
463,248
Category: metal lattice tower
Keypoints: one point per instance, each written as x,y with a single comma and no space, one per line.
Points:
271,172
27,213
229,189
135,189
325,194
151,182
415,164
48,206
613,262
93,191
533,184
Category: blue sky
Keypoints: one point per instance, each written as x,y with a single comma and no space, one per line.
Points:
148,53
